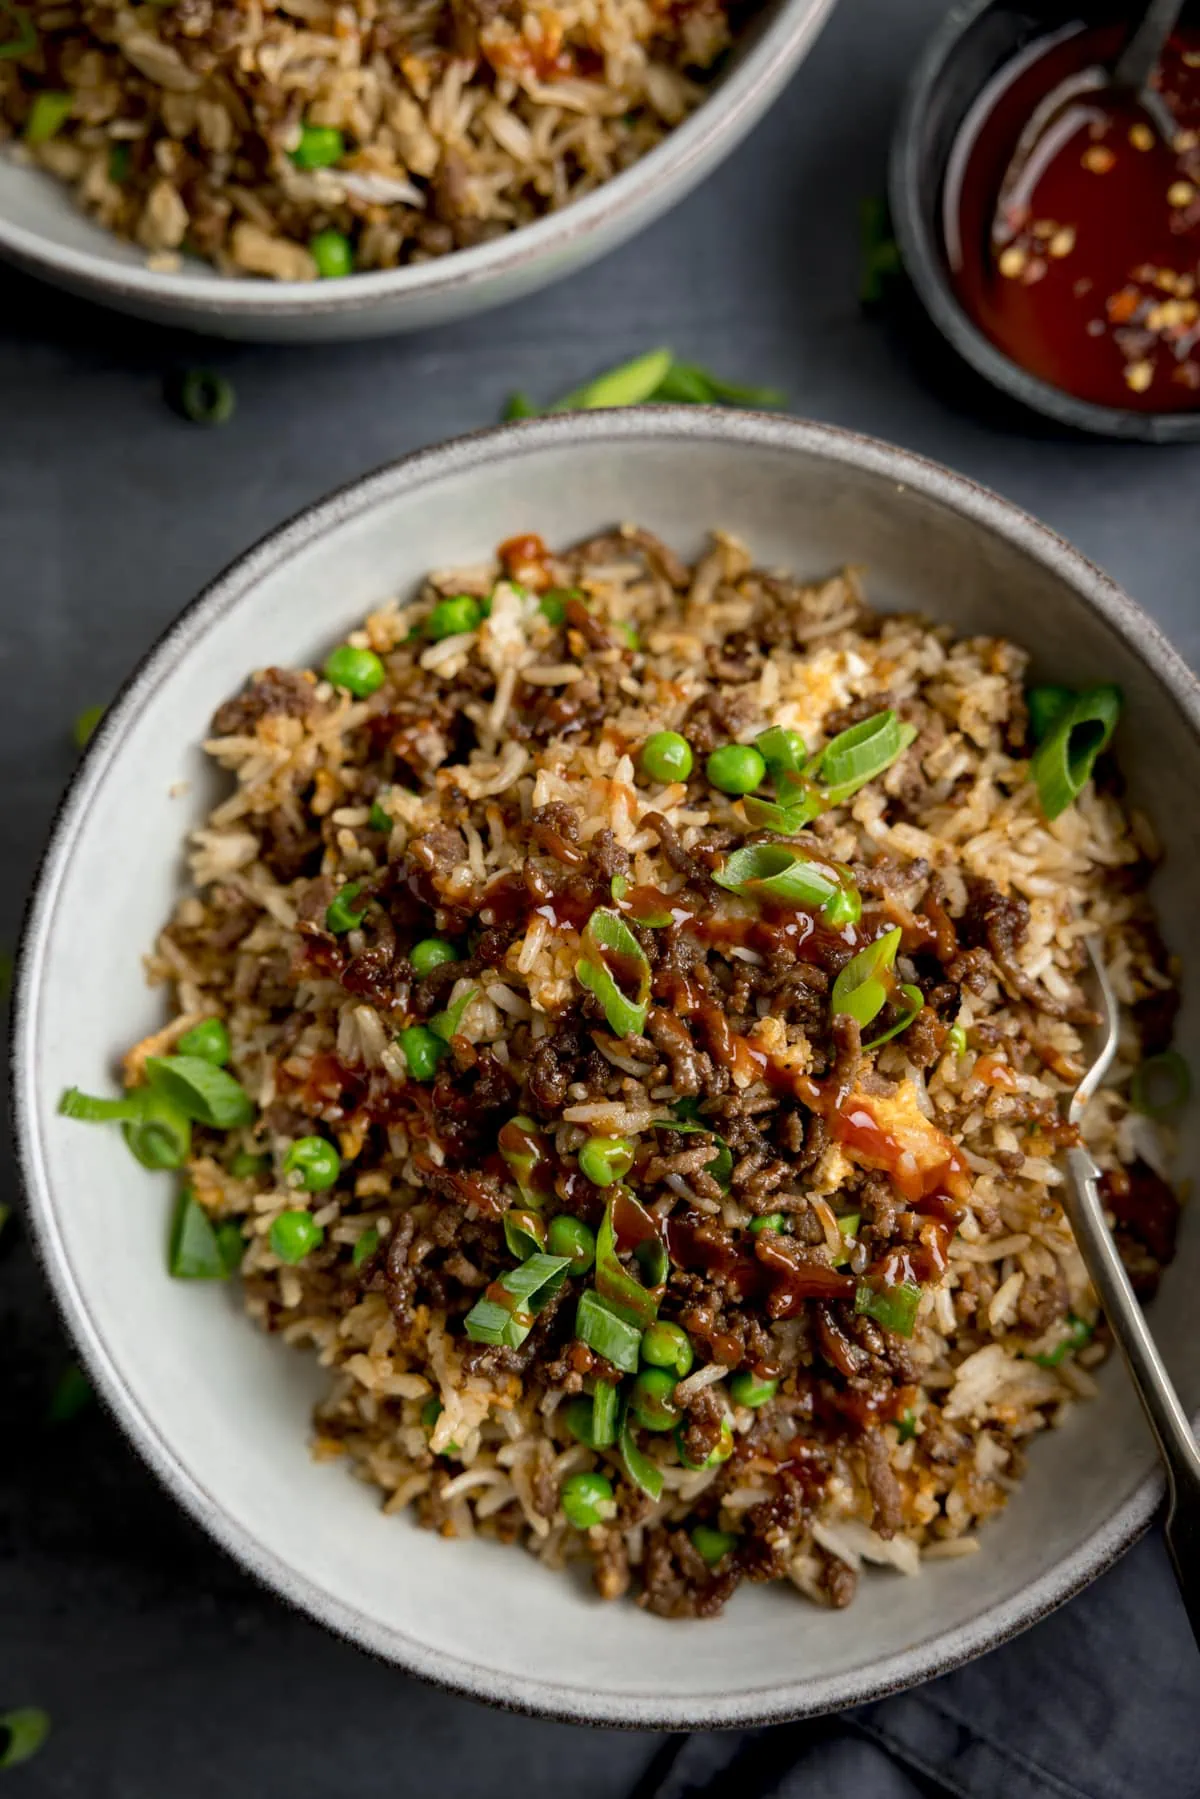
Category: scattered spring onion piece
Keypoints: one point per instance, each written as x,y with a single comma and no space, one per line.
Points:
736,768
652,1399
1078,1334
85,725
604,1160
120,157
721,1165
422,1051
231,1244
720,1452
770,1221
858,755
712,1546
294,1235
520,1294
193,1253
1160,1084
454,617
47,116
203,397
604,1415
906,1428
518,406
553,606
524,1233
626,1296
610,949
23,1731
893,1307
316,1161
447,1024
571,1237
692,385
787,874
666,756
651,916
1062,764
246,1166
333,254
745,1389
24,39
878,249
92,1110
848,1227
72,1394
377,818
201,1091
365,1247
161,1134
667,1345
643,1472
914,1000
521,1144
783,751
209,1040
587,1499
863,986
610,1336
431,952
341,914
360,672
320,147
956,1040
629,384
1044,705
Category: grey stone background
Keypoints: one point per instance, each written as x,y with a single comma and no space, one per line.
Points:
169,1674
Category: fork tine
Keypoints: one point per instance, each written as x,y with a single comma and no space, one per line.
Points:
1109,1027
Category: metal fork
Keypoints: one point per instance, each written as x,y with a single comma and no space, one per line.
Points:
1155,1390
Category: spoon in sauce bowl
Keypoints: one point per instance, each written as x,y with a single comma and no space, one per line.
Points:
1079,100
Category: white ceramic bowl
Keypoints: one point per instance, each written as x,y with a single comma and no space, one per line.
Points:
43,231
221,1412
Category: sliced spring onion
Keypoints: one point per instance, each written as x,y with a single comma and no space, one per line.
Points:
782,751
1160,1084
906,1428
893,1307
692,385
447,1024
193,1253
71,1395
22,1732
1077,1335
524,1233
47,116
641,1470
651,1257
604,1415
600,1328
522,1146
23,38
858,755
518,406
849,1227
85,725
610,949
202,396
721,1165
863,987
769,815
75,1104
231,1244
629,384
1045,704
1063,762
161,1134
956,1040
786,873
626,1296
914,1000
365,1247
201,1090
520,1295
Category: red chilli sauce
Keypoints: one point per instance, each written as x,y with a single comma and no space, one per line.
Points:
1091,280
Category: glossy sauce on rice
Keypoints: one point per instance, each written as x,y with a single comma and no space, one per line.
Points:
490,793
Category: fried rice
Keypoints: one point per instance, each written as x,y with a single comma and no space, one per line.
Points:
491,793
180,126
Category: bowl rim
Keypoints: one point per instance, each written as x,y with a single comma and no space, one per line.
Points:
570,1702
921,255
725,114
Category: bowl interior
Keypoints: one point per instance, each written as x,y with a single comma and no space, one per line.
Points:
221,1411
972,45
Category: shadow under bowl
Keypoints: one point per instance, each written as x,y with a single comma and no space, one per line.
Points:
974,42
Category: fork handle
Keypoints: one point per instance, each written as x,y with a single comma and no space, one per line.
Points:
1154,1387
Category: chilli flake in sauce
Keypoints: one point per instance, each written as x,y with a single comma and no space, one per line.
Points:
1090,279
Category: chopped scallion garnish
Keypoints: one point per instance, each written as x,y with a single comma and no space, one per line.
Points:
895,1308
447,1024
194,1253
864,986
859,754
201,1090
1062,764
629,384
1078,1334
1044,705
524,1233
24,1730
21,42
506,1313
626,1296
597,1325
615,968
785,873
641,1470
721,1165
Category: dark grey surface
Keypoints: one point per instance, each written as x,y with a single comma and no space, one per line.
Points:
168,1673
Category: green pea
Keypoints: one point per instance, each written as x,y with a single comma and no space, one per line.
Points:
586,1499
209,1040
333,254
605,1159
294,1235
712,1546
666,1345
315,1160
422,1051
320,147
666,757
431,952
360,672
569,1236
720,1453
770,1221
341,915
736,768
365,1247
652,1398
450,618
745,1389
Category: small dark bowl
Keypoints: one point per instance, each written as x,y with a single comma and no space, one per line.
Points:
974,41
